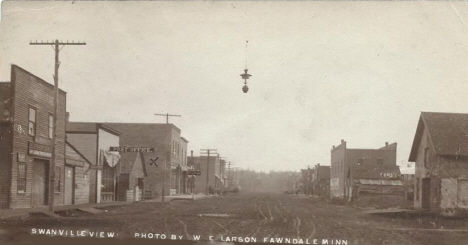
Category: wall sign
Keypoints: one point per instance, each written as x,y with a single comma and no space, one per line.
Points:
73,162
131,149
39,150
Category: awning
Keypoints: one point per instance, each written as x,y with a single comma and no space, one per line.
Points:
379,182
111,158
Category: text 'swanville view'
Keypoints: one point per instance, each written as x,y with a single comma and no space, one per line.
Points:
349,130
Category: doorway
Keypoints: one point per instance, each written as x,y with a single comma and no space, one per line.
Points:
69,183
426,193
40,190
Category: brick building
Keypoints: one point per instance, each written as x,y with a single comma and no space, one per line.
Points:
26,124
440,153
343,160
170,152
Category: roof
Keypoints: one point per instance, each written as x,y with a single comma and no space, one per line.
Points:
448,133
128,160
373,171
74,150
89,127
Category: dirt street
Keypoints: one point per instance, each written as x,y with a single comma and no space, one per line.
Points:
261,218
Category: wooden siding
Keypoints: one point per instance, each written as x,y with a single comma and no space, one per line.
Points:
29,90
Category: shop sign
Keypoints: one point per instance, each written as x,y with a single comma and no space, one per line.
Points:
131,149
73,162
39,150
194,172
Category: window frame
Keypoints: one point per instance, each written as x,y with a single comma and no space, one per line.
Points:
34,123
50,126
22,179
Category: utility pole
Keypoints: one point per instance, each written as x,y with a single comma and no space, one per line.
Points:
207,152
55,45
229,175
167,115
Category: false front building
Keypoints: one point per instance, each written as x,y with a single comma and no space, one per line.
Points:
26,128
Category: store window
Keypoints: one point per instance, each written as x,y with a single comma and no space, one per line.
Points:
21,181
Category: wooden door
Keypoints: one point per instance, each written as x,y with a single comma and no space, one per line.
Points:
69,183
426,193
40,182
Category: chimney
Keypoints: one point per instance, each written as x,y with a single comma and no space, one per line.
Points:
386,143
342,141
191,153
67,117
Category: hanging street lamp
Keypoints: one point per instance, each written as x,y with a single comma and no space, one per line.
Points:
245,76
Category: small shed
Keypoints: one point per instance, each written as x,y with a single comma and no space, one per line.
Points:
374,179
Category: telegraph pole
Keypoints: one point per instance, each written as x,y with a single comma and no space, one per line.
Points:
207,152
167,115
55,45
229,175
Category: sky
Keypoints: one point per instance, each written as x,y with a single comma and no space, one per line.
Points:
321,71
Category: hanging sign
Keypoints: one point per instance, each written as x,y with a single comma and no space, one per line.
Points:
131,149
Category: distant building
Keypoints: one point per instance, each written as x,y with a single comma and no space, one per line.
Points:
440,151
320,180
306,181
344,160
130,186
210,172
26,127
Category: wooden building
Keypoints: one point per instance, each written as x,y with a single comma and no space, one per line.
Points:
26,125
440,153
77,176
93,142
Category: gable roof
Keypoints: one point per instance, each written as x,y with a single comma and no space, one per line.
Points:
128,160
448,133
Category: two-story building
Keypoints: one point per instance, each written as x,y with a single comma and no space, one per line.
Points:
343,160
165,165
26,132
320,180
440,153
209,167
